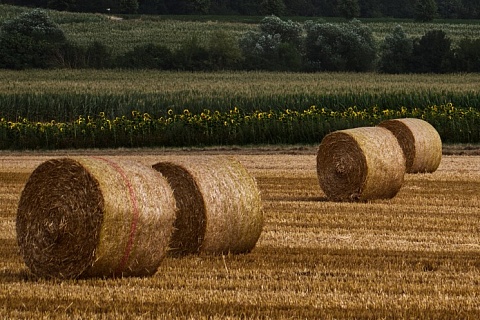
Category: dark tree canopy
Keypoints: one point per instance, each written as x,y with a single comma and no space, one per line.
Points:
422,10
30,41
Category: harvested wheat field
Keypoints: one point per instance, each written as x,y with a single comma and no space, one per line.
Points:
416,255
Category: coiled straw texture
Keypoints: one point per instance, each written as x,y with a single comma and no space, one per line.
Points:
94,217
360,164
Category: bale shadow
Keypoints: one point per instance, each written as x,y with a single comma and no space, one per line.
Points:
15,276
300,199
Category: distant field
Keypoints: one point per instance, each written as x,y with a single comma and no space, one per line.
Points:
287,107
415,256
123,35
66,94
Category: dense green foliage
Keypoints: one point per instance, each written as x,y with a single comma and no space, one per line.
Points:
345,47
432,53
425,10
31,40
275,44
348,8
422,10
396,52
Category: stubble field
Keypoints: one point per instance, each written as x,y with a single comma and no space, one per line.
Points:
414,256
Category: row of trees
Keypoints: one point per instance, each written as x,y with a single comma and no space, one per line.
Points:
418,9
32,40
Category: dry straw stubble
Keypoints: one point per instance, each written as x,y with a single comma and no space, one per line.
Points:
420,142
360,164
93,216
219,205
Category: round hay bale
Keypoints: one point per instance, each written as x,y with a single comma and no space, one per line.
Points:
94,217
360,164
219,206
420,142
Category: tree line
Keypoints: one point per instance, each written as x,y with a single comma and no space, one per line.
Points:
409,9
33,40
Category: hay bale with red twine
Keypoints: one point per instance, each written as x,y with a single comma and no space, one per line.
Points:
219,205
360,164
420,142
94,217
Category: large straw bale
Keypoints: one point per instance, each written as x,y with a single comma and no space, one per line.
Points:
420,142
219,206
94,216
360,164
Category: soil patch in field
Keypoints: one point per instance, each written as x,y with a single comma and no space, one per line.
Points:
461,149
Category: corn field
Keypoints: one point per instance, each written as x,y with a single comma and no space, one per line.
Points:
63,95
79,109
